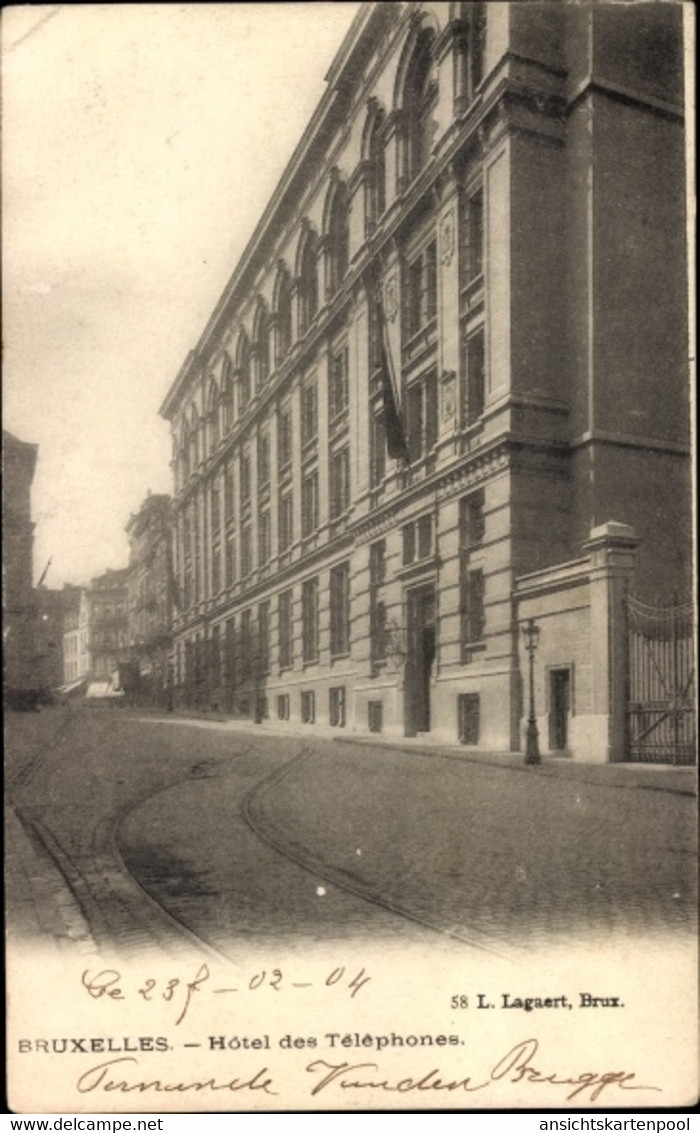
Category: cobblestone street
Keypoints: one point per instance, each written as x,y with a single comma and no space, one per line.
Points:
492,853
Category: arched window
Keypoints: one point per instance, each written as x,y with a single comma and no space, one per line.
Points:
338,239
212,416
243,371
308,283
262,345
226,398
283,314
419,101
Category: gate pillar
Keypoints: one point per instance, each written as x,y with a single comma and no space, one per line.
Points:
612,548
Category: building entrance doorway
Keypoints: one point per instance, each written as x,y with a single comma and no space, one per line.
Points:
420,613
559,708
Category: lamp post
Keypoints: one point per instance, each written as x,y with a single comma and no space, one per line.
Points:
531,633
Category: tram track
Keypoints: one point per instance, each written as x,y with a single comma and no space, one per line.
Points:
128,916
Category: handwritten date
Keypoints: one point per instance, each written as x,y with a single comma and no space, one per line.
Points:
110,983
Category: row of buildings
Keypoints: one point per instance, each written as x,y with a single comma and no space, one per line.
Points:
431,452
115,631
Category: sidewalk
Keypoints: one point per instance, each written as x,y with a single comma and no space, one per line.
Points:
636,776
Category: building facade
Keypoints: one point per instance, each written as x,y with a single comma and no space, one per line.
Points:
422,410
76,665
18,600
150,599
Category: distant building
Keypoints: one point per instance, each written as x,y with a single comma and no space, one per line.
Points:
446,392
49,629
107,623
150,598
19,608
75,635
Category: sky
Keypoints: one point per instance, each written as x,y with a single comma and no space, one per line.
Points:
141,145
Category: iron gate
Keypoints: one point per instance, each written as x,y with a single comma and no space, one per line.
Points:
661,700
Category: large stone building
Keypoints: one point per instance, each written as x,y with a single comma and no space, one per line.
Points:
445,390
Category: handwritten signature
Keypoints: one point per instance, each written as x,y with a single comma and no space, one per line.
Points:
517,1066
109,983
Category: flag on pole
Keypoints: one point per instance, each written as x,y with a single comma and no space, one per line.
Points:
396,445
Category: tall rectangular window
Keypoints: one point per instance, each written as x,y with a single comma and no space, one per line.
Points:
230,559
474,378
340,609
284,437
309,413
285,525
421,417
309,504
472,612
336,707
377,607
285,629
245,478
422,289
228,492
246,550
377,448
339,483
473,236
309,615
263,538
216,569
263,460
215,510
338,390
264,637
472,524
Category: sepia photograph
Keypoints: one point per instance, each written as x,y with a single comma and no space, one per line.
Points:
348,557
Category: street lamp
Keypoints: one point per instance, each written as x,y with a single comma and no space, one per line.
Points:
531,633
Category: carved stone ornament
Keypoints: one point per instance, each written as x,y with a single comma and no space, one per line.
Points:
391,298
447,237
